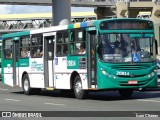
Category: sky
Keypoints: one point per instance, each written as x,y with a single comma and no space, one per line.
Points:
22,9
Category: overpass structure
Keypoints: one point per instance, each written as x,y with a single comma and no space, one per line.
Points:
21,22
78,3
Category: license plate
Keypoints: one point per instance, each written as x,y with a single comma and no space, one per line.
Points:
132,82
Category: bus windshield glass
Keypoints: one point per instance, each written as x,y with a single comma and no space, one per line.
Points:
126,48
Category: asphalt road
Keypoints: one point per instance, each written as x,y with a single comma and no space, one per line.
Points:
13,99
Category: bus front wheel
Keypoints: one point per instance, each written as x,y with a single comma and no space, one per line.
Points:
126,93
26,86
78,89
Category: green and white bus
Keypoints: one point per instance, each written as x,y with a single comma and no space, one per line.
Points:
119,55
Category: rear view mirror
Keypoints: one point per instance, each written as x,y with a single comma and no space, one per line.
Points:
98,48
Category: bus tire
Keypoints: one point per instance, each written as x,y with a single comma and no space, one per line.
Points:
26,86
78,89
126,93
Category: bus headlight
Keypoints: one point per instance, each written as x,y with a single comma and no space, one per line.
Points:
149,75
152,73
103,72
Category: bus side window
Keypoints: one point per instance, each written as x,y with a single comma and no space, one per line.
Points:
8,49
24,52
25,47
8,54
77,38
36,46
72,37
62,43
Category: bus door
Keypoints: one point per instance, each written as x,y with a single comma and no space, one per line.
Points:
91,65
49,52
15,56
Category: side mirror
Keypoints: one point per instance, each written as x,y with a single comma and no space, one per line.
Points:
156,46
99,49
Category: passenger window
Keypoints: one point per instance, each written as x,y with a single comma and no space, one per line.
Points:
25,47
36,46
62,43
77,42
8,49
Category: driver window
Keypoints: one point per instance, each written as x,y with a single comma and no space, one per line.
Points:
146,47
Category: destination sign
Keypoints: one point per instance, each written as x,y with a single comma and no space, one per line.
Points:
126,24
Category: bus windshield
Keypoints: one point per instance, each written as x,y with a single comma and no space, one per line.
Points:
126,47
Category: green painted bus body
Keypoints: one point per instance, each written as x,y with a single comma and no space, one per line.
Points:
141,72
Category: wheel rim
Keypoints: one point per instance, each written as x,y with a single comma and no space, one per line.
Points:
26,85
78,87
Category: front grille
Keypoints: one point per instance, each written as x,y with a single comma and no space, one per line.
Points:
135,76
130,67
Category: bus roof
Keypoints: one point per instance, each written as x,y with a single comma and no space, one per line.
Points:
65,27
49,29
15,34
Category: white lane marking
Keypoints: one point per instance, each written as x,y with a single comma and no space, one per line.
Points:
3,89
54,104
148,100
12,100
